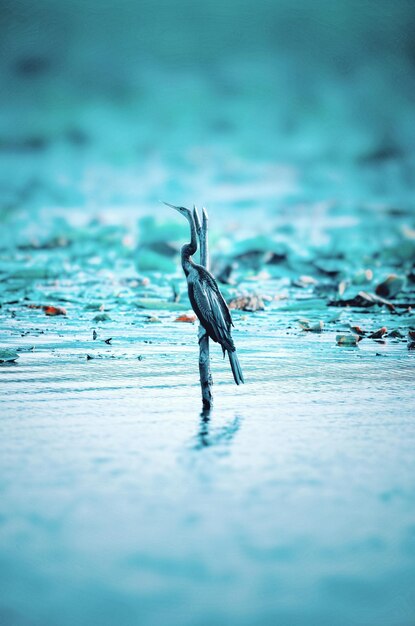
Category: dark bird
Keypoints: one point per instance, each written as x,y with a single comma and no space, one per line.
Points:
206,299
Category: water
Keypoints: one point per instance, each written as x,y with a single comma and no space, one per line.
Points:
293,502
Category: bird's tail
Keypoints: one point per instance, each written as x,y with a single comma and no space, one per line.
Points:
236,368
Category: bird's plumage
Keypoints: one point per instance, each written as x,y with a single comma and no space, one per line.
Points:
210,307
207,300
213,313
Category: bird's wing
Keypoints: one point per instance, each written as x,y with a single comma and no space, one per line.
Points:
211,314
221,301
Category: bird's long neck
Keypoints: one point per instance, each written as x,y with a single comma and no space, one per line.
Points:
189,248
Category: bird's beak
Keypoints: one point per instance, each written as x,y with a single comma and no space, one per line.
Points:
178,208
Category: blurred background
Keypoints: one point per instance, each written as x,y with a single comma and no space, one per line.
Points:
109,106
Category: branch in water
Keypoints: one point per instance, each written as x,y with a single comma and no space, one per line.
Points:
206,381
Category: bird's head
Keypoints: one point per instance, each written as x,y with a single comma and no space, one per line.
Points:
181,209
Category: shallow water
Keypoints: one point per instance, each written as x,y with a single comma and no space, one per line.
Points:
292,502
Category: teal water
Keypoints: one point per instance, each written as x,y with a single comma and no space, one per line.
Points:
293,502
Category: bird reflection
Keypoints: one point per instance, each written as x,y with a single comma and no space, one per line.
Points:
203,434
207,438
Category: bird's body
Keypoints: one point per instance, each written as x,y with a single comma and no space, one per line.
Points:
210,307
213,313
207,301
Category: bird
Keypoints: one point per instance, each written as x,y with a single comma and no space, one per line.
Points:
206,299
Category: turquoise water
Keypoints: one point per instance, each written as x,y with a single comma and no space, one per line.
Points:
293,502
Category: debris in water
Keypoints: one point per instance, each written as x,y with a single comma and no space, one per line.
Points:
305,281
363,299
342,287
153,319
54,310
396,334
101,317
313,327
48,309
378,334
347,340
94,306
247,303
390,287
358,331
7,355
186,317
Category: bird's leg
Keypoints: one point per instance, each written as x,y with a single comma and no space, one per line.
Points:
206,381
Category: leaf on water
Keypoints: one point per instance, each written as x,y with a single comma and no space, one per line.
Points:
391,286
260,249
330,319
101,317
313,327
153,319
305,281
396,334
363,299
247,303
186,317
8,356
330,267
347,340
94,306
342,287
378,334
358,331
54,310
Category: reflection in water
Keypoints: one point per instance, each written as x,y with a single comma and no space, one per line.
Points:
224,435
